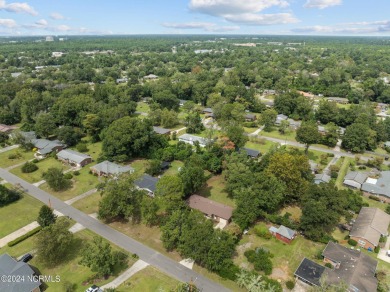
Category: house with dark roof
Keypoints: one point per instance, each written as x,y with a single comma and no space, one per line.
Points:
378,186
147,183
107,169
280,118
211,209
283,233
191,139
355,179
309,272
13,269
250,117
321,178
369,226
74,158
45,146
251,152
161,131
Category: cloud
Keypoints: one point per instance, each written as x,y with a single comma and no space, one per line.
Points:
245,12
9,23
361,28
41,22
17,7
206,26
56,16
321,4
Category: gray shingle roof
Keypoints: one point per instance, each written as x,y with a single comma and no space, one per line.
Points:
193,138
161,131
381,187
208,110
322,178
359,177
72,155
46,146
310,271
10,267
111,168
251,152
147,182
286,232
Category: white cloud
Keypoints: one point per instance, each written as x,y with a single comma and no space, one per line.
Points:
56,16
245,12
361,28
206,26
17,7
9,23
41,22
62,27
321,4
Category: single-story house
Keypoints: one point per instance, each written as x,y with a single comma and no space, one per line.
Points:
121,80
151,77
351,267
250,117
378,186
7,129
280,118
16,74
207,110
341,100
251,152
147,183
182,102
45,146
107,168
355,179
74,158
313,166
321,178
161,131
191,139
268,103
269,92
283,233
322,130
211,209
10,268
294,124
369,226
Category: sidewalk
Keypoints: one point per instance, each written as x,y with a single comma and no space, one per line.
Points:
79,197
5,149
138,266
4,241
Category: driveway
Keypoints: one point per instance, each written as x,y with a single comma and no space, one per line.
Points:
383,251
145,253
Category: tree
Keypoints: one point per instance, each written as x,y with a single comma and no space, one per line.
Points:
171,230
99,257
46,216
331,137
308,134
45,125
284,126
192,177
171,191
236,134
193,122
54,242
8,196
56,179
358,138
268,118
92,124
153,167
149,208
327,112
69,135
121,200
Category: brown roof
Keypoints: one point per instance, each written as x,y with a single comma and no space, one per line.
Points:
210,207
356,269
5,128
370,224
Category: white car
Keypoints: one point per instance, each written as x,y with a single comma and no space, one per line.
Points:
94,288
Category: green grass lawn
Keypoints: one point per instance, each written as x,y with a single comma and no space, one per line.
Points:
139,165
295,212
343,171
43,166
250,130
18,214
263,146
174,169
142,107
148,279
289,136
69,271
89,204
80,184
24,156
214,190
94,149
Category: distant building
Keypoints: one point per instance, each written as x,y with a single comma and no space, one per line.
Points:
107,169
340,100
250,117
7,129
121,80
191,139
57,54
49,39
74,158
280,118
16,74
161,131
151,77
251,152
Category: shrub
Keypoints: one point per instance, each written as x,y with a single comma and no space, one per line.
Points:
15,155
24,236
376,249
8,196
329,265
352,242
68,175
29,167
375,198
362,167
290,285
35,160
76,173
82,147
260,259
229,271
262,231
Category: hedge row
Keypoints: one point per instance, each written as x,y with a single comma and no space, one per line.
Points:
25,236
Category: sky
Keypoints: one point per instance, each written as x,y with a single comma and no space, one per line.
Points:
274,17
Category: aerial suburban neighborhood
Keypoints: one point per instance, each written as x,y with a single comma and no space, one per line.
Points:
183,163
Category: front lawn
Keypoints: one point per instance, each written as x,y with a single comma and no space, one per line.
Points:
142,107
18,214
43,166
214,190
262,145
288,136
89,204
174,168
24,156
148,279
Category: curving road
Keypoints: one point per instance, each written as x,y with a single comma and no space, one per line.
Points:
144,252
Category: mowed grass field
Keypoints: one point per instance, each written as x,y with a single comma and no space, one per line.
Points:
24,156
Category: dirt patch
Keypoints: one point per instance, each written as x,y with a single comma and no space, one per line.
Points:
243,247
280,274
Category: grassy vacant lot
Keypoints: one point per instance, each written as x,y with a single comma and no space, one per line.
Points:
24,156
18,214
139,165
69,271
43,166
81,184
214,190
289,136
287,257
143,107
174,169
89,204
263,146
149,279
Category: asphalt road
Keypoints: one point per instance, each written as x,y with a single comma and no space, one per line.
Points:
152,257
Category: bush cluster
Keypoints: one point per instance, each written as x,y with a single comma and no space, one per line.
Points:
260,258
29,167
24,236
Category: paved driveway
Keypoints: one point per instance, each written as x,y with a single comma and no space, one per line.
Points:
383,251
145,253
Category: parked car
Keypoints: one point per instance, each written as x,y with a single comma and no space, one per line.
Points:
94,288
26,258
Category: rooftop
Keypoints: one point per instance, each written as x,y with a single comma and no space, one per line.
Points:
380,186
72,155
251,152
310,272
210,207
111,168
161,131
147,182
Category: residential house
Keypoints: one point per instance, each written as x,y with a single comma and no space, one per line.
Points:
12,269
182,102
250,117
283,233
306,94
251,152
369,226
151,77
74,158
16,74
280,118
294,124
207,110
313,166
387,144
107,169
269,92
147,183
121,80
355,179
268,103
45,146
191,139
161,131
350,267
378,186
340,100
211,209
165,165
321,178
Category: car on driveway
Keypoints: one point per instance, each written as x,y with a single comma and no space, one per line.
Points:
94,288
26,258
